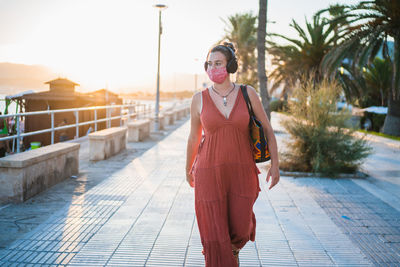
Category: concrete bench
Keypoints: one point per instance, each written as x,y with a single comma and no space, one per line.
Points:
184,111
125,120
152,120
175,115
138,130
187,110
26,174
106,143
170,117
179,113
161,122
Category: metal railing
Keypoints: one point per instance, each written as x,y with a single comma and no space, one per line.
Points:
138,111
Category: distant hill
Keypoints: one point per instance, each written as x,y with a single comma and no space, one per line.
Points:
20,77
15,78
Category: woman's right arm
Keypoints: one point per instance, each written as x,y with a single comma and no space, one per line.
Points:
194,136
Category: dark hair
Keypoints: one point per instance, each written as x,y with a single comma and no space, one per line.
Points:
229,52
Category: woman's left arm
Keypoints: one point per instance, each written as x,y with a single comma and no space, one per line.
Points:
268,131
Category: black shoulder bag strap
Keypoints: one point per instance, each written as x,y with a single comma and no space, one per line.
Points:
246,98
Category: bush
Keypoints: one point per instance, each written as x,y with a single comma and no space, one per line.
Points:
278,105
320,141
376,120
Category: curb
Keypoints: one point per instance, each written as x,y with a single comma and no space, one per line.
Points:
357,175
378,139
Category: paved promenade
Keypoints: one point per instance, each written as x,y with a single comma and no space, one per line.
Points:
142,214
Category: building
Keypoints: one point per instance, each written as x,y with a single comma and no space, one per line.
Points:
62,95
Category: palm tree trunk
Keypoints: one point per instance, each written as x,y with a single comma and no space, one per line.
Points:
392,121
262,76
391,125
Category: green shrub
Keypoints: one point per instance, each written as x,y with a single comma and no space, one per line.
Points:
278,105
319,139
273,105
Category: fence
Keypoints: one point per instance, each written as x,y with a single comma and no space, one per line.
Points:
132,110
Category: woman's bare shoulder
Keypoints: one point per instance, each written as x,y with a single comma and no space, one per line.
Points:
196,102
196,98
250,90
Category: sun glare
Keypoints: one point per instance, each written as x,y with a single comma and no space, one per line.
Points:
98,43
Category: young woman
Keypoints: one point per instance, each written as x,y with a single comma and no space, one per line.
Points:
220,164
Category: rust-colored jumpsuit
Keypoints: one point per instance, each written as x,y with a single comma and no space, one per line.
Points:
226,182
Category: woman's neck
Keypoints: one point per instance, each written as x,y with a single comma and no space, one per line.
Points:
223,87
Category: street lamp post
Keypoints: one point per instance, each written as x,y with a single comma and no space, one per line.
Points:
160,7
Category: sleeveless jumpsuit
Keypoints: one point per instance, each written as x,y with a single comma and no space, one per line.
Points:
226,182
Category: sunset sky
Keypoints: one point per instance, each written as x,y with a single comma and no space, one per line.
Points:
114,42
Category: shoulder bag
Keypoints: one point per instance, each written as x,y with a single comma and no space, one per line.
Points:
260,144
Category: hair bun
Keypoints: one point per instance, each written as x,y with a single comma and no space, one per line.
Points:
230,45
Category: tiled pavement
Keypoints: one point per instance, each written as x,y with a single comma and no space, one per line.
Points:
143,215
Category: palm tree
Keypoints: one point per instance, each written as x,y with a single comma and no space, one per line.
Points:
370,25
336,12
302,57
378,79
353,84
262,76
287,70
241,30
367,86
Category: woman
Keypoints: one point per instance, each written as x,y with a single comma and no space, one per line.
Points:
220,164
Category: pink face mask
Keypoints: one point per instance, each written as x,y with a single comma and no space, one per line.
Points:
217,75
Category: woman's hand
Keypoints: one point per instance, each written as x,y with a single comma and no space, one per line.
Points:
190,179
274,173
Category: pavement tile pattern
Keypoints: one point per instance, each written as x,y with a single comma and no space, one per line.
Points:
143,215
369,222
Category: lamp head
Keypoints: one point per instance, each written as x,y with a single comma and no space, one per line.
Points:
160,6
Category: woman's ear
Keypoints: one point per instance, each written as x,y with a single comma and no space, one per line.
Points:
205,66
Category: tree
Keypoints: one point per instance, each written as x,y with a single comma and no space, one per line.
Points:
370,25
241,30
286,73
377,78
336,12
302,57
262,76
367,86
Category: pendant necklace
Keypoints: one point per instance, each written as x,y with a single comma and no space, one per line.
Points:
224,96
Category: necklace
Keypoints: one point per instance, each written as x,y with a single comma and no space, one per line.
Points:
224,96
